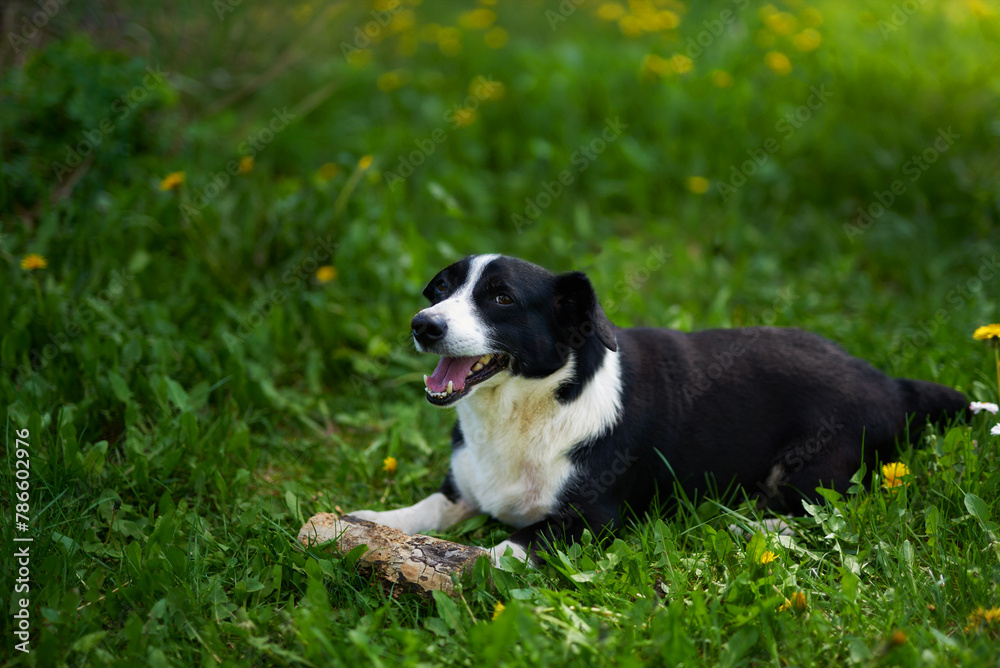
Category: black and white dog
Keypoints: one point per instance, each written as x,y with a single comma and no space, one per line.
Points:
566,422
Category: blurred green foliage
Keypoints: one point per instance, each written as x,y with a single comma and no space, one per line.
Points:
224,356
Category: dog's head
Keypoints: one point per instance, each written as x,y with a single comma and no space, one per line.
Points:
492,316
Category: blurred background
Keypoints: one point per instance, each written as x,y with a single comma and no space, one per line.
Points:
237,204
217,217
227,210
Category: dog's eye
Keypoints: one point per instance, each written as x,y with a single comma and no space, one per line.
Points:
503,299
441,285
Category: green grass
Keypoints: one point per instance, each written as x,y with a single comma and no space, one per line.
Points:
193,393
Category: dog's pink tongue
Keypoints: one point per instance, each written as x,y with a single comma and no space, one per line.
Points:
454,369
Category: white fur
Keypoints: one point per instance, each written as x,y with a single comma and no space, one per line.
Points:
500,549
434,513
774,525
467,333
518,436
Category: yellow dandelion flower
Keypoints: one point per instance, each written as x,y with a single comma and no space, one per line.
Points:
359,58
980,10
987,332
991,333
33,261
246,164
722,79
403,21
496,38
682,64
365,162
982,617
172,180
768,557
811,16
465,117
654,66
782,23
666,20
326,273
485,89
389,465
630,25
893,474
498,610
697,184
610,11
807,40
390,81
778,62
767,11
478,19
327,171
797,603
449,41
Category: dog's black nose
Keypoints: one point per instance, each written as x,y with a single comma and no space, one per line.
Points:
428,329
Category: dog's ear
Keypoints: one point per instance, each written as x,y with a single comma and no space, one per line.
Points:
578,310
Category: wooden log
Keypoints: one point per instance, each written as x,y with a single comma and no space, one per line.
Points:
418,564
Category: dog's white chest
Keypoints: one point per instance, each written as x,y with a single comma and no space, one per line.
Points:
515,461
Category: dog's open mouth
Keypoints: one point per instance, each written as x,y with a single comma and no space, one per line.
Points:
455,376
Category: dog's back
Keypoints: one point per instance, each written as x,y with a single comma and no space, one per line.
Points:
777,411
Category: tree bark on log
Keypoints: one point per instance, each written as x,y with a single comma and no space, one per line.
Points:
417,564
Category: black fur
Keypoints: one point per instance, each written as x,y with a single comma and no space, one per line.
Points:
771,412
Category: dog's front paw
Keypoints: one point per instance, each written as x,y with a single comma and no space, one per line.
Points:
369,515
514,550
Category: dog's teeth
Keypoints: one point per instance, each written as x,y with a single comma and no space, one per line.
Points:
476,367
485,359
425,380
451,387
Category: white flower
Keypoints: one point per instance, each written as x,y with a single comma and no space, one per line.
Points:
977,406
995,430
